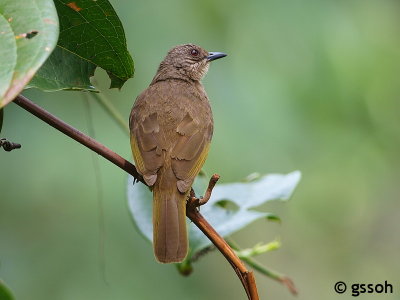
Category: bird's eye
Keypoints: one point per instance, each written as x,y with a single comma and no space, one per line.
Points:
194,52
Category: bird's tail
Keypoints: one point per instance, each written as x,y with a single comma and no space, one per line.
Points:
169,223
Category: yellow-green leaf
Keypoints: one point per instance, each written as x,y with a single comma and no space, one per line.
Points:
28,34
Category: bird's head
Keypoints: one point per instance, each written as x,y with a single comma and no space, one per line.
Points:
188,61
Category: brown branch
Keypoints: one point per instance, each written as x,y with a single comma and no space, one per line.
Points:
78,136
245,276
192,212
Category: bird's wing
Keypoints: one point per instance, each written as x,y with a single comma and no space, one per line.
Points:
147,145
170,129
190,150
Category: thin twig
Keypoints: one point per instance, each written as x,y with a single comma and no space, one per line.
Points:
100,193
109,107
211,184
245,276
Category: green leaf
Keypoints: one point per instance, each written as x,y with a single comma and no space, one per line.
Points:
140,201
5,293
91,35
8,52
28,34
243,197
64,70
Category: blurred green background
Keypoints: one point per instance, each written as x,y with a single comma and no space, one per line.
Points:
309,85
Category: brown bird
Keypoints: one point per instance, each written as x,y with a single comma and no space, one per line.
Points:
171,126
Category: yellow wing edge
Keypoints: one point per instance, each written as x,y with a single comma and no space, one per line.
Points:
200,162
137,157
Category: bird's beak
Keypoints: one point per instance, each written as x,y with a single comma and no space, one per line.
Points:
215,55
